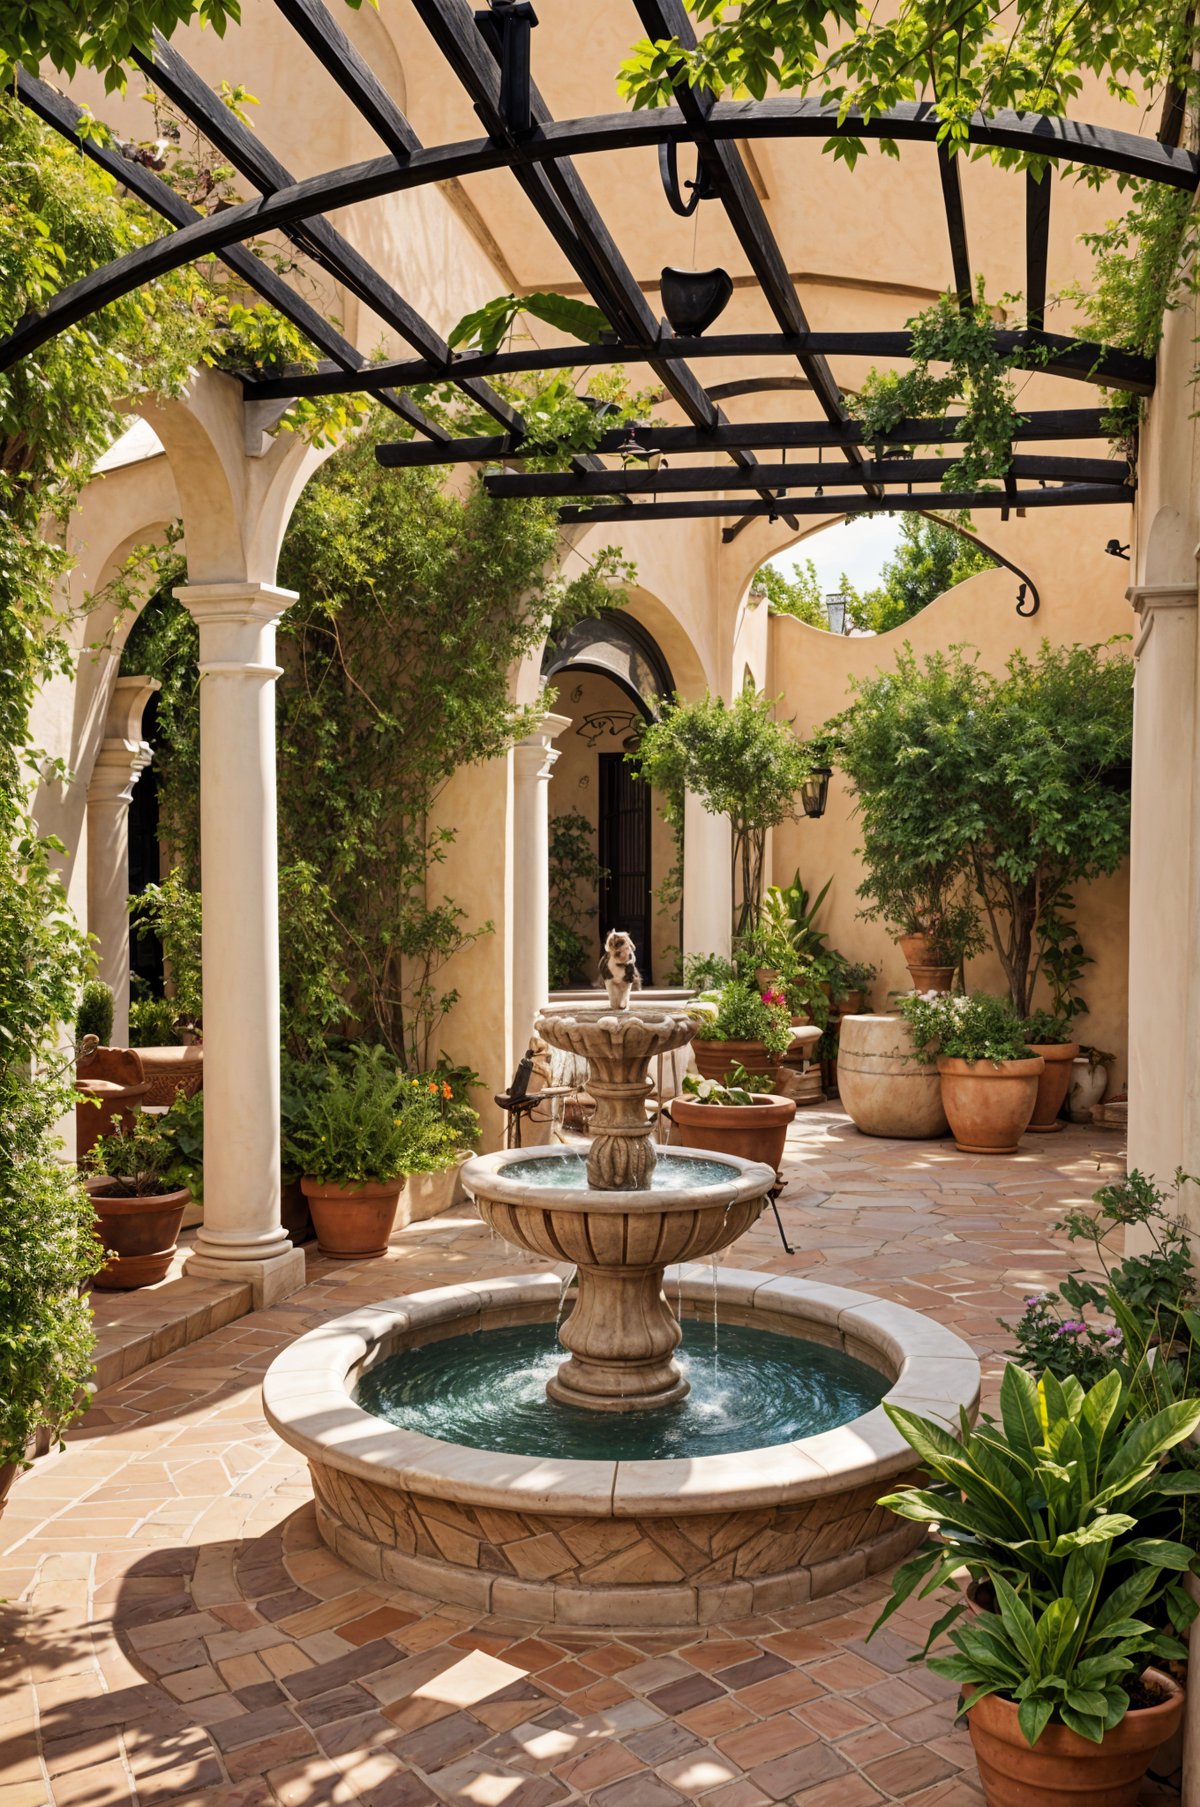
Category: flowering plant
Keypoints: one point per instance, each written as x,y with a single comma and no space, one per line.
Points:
744,1015
979,1027
359,1118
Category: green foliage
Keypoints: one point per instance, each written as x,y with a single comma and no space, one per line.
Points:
979,1027
996,786
929,560
48,1253
1063,960
183,1127
102,34
707,972
1045,1026
743,1014
152,1023
362,1119
1065,1508
978,379
738,1090
142,1160
488,326
573,864
785,942
741,763
172,911
95,1013
799,595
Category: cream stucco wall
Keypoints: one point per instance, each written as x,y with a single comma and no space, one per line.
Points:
1082,593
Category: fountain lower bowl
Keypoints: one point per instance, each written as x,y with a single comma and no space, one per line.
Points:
615,1542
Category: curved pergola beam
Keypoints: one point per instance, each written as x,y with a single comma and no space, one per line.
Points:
1066,140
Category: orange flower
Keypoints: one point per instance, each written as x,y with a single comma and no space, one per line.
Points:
447,1090
433,1087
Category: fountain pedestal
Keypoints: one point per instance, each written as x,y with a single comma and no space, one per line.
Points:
618,1230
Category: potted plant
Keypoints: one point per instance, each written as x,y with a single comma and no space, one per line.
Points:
989,1078
934,942
740,1026
48,1254
851,983
1069,1527
1050,1036
139,1194
359,1127
1090,1073
739,1117
95,1013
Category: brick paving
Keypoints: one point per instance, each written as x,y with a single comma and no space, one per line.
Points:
175,1631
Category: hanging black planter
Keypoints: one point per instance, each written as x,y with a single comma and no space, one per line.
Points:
692,299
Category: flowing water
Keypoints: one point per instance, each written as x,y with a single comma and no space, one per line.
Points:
672,1174
488,1390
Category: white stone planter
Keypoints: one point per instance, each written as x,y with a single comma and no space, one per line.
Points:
885,1088
1088,1086
430,1194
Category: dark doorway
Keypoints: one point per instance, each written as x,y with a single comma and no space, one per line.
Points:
624,851
145,948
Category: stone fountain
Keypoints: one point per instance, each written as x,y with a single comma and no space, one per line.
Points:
618,1231
453,1456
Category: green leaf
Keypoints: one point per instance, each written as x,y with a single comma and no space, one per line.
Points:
1159,1553
577,318
1019,1411
1033,1716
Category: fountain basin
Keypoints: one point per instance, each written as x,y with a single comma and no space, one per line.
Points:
621,1335
615,1542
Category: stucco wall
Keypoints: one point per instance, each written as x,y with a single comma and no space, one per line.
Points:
1082,601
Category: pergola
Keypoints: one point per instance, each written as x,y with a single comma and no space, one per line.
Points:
721,469
725,477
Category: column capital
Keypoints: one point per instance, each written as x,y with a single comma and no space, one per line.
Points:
126,706
535,755
1148,599
238,604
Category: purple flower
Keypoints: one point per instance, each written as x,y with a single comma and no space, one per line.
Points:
1072,1327
1034,1299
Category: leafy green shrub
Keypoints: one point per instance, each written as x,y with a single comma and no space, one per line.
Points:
573,864
707,972
48,1253
360,1119
1066,1510
152,1023
172,911
1044,1026
743,1014
95,1013
979,1027
738,1089
142,1161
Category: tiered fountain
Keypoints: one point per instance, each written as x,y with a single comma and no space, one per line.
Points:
453,1455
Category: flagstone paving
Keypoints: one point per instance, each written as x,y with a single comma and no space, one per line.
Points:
176,1632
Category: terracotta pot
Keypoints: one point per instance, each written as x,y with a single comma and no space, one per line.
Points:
885,1088
716,1059
172,1072
116,1080
353,1223
1062,1767
925,970
142,1232
1052,1086
989,1105
850,1003
756,1132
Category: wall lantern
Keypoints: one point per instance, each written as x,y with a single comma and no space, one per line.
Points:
633,451
1116,550
814,792
836,602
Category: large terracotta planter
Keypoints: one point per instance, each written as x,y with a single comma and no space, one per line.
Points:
1052,1085
755,1132
172,1073
1062,1767
141,1232
885,1088
715,1060
926,971
353,1223
115,1080
989,1104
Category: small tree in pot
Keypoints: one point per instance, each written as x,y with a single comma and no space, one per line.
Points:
140,1193
988,1075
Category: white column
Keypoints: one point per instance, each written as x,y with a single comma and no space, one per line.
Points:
241,1237
120,762
707,909
533,761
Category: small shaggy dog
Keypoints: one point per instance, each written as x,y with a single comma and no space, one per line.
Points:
618,967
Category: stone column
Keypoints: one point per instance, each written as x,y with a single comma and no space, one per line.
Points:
533,761
707,906
241,1237
120,762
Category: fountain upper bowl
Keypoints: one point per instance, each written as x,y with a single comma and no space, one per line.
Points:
498,1178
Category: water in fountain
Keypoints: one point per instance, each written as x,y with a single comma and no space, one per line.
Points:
488,1390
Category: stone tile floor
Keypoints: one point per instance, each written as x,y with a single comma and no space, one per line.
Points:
175,1632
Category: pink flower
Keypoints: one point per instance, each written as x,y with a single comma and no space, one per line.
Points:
770,996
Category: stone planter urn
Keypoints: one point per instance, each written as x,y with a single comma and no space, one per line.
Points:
115,1080
1087,1085
1052,1086
884,1087
176,1072
353,1223
989,1103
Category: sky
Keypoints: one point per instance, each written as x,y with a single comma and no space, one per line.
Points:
857,547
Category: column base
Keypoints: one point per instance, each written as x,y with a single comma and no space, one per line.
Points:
270,1280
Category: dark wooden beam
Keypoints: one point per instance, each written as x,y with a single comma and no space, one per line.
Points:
727,174
781,117
315,237
1046,425
1037,246
684,478
1080,359
956,224
354,76
920,502
64,116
